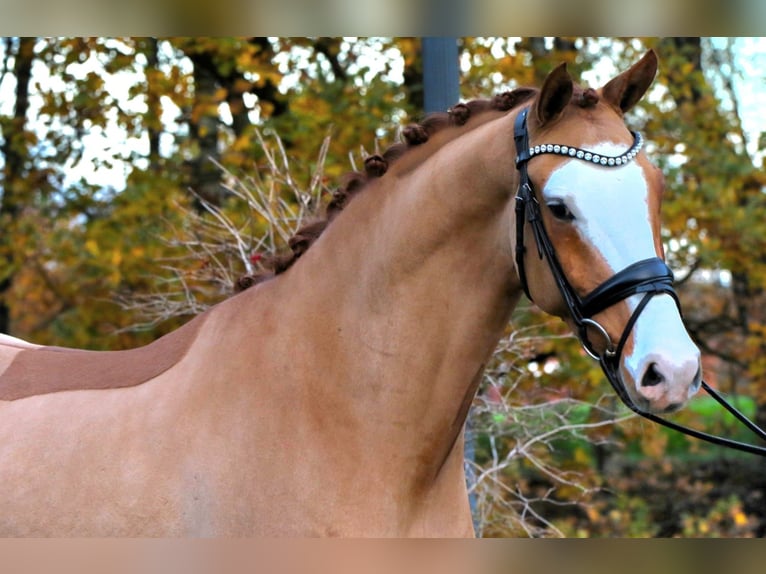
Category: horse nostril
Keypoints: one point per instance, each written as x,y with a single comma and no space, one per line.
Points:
652,377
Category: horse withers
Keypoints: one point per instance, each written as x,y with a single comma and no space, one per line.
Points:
330,397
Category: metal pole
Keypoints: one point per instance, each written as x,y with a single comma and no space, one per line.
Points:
441,73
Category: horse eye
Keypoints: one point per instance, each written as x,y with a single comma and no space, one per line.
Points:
561,211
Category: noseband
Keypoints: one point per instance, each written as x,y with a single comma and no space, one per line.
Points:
649,277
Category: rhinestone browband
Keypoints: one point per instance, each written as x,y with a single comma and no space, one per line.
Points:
577,153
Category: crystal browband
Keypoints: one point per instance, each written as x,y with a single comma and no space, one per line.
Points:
577,153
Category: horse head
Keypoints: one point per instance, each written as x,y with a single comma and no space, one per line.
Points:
589,205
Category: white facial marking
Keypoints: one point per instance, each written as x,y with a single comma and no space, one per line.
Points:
611,213
609,204
660,337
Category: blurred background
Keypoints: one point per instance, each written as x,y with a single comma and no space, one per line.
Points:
141,176
402,17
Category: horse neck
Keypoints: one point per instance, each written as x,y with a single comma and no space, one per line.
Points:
385,323
405,295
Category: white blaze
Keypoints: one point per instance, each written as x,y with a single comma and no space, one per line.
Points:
610,205
611,210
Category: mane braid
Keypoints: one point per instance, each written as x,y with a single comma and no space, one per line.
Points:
375,166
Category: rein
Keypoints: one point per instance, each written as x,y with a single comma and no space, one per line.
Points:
649,277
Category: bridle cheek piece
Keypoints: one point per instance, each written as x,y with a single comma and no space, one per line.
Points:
649,278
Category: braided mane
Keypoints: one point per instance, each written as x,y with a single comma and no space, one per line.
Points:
375,166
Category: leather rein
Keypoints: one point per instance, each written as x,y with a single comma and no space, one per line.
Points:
649,278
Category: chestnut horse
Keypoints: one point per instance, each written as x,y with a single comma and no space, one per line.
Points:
330,398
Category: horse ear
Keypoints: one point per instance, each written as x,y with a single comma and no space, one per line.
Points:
624,91
554,95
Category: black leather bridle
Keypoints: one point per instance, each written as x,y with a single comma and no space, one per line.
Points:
649,278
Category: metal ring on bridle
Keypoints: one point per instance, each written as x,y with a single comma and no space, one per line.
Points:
610,350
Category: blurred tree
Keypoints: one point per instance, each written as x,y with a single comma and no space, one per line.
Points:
715,205
191,106
18,170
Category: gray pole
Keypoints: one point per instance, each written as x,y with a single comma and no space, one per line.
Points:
441,73
441,90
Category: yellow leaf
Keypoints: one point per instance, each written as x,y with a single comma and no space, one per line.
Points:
740,518
581,456
593,514
91,246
